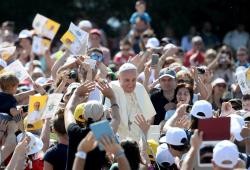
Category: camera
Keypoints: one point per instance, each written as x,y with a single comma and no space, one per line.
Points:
201,70
25,108
188,109
73,74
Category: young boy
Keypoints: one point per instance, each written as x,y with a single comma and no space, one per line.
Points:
8,85
140,7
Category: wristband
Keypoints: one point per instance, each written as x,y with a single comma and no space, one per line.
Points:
115,105
81,154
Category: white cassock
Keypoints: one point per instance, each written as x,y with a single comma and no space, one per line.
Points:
131,104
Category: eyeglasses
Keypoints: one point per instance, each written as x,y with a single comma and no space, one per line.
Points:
241,54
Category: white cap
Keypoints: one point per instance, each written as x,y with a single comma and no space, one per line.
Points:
175,136
126,66
24,34
35,144
152,43
93,110
246,115
71,87
85,24
218,81
225,154
163,155
236,125
202,106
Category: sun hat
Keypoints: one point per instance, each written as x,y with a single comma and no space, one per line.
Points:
35,144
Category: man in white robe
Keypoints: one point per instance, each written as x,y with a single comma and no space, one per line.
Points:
132,99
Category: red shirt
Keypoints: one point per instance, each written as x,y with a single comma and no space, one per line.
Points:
120,59
199,59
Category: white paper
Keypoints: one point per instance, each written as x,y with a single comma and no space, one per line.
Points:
38,46
52,105
80,45
242,81
18,69
38,23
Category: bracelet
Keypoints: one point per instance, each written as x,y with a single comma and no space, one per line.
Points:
119,153
114,105
81,154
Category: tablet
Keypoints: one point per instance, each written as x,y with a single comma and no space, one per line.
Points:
102,128
215,129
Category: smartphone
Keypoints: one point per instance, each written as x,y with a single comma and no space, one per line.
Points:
102,128
155,59
205,154
188,109
25,108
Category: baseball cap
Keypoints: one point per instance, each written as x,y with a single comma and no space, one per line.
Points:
236,125
202,109
126,66
225,154
95,31
24,34
164,156
85,24
79,112
35,144
93,110
218,81
175,136
152,43
167,72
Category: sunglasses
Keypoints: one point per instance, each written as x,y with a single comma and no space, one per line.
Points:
125,49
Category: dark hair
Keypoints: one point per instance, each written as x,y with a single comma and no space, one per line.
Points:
132,153
125,41
187,86
194,123
98,50
246,97
58,122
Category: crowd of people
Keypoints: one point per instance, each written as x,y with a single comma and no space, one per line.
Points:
149,83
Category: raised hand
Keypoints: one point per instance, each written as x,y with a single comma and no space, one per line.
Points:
110,145
106,89
85,88
142,123
88,143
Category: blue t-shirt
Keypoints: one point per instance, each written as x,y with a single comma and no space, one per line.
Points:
7,101
144,16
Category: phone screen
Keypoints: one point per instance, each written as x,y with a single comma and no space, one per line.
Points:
155,59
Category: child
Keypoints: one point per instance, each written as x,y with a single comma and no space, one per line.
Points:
140,7
8,85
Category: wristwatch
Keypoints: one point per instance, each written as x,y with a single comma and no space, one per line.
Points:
81,154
